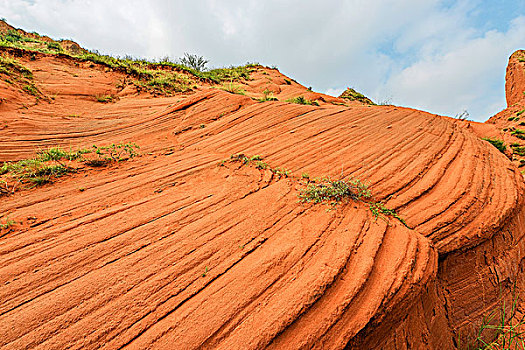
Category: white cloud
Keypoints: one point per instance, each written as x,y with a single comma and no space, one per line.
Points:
425,54
468,76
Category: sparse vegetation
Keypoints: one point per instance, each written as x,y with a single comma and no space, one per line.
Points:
499,144
510,119
517,149
337,191
54,46
56,162
18,40
352,95
380,211
163,82
7,223
162,77
268,96
31,89
233,88
115,152
303,101
105,98
520,112
46,165
518,133
502,328
334,191
16,73
258,163
322,190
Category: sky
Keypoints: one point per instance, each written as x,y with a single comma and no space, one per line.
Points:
440,56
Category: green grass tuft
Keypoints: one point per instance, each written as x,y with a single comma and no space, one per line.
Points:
518,133
233,89
499,144
7,223
303,101
334,191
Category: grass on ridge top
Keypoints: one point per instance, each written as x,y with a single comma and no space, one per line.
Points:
163,76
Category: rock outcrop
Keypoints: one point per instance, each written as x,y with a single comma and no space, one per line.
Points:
171,250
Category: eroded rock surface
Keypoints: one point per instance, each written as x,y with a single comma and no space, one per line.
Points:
170,250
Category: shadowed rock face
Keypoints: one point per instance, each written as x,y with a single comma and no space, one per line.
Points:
170,250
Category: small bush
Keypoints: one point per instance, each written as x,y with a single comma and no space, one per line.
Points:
334,191
7,223
499,144
517,149
268,96
281,172
194,62
519,134
303,101
54,46
105,98
116,152
31,89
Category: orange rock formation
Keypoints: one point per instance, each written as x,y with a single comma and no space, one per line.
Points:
170,250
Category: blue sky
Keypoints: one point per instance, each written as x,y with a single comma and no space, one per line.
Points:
441,56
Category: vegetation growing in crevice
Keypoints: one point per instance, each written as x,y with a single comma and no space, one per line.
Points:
502,328
256,161
105,98
334,191
499,144
324,190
